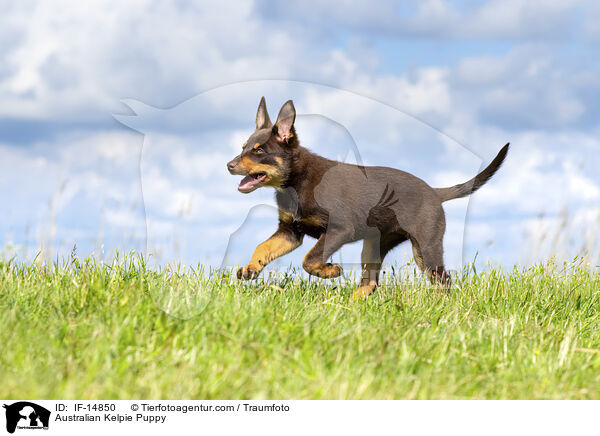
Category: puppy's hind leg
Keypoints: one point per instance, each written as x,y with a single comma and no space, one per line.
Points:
430,259
417,254
370,260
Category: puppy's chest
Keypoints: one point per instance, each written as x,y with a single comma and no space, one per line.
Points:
311,223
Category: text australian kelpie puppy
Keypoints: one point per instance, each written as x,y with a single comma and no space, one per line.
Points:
338,203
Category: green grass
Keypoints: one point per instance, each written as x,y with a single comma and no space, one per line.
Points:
98,331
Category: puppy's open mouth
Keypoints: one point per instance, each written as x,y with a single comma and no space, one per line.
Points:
251,182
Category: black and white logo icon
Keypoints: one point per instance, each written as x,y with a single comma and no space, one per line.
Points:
26,415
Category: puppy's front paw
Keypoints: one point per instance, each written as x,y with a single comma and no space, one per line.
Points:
329,271
323,270
248,272
333,270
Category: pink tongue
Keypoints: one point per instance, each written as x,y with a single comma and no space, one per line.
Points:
248,183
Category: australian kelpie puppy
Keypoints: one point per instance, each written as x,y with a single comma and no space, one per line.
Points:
338,203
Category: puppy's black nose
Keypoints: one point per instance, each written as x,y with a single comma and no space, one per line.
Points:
231,165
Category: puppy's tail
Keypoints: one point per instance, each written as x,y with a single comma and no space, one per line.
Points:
464,189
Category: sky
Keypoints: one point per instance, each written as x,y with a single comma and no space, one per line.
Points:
117,120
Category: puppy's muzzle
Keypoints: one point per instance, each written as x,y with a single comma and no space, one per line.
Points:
234,168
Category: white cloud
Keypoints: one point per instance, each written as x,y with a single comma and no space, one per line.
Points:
521,18
76,60
497,19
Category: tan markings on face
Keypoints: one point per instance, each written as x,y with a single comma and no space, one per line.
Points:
244,145
279,161
274,174
246,163
256,146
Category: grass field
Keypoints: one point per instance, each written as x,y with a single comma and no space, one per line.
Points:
89,331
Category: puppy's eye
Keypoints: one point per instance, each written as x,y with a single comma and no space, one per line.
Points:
259,150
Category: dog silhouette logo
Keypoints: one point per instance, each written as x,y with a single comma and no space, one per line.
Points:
26,415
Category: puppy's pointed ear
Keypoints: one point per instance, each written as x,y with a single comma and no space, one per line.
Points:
285,121
262,116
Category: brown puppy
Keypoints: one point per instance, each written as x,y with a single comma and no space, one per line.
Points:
338,203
